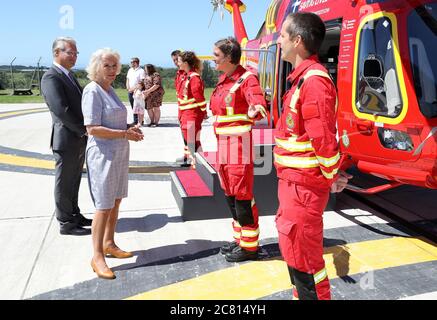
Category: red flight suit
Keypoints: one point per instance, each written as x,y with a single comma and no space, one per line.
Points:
229,104
177,83
307,159
192,109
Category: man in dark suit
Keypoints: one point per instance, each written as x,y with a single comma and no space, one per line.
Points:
63,96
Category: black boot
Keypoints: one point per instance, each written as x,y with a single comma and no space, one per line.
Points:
228,247
239,255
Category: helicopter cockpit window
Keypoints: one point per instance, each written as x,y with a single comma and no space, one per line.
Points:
378,90
422,33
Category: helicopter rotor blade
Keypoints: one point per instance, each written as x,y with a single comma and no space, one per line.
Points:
218,5
212,17
222,11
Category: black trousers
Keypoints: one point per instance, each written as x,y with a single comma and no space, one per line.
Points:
304,283
131,101
69,166
241,211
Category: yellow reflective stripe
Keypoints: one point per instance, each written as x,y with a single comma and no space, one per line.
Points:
188,81
236,224
249,233
234,130
229,110
310,74
192,106
319,73
240,82
297,162
185,101
237,236
233,118
294,99
294,146
320,276
329,176
329,162
245,244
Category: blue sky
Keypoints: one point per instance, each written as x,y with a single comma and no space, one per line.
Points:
147,29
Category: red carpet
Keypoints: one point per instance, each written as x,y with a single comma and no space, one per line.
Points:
193,184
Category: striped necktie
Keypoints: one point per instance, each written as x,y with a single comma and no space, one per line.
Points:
72,79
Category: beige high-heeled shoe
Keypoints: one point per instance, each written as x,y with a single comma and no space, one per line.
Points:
117,253
108,275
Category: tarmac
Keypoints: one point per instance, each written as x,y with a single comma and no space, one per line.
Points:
369,256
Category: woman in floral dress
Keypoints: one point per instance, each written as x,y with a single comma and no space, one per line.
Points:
154,93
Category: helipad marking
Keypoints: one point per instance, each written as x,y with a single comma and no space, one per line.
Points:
26,162
22,112
35,163
264,278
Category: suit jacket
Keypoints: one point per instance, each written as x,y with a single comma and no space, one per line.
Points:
64,100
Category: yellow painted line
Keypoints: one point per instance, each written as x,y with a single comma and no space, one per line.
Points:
38,163
264,278
21,112
19,161
26,162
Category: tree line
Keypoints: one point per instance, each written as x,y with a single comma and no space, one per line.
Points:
22,79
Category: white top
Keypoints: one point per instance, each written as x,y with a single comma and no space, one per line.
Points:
139,100
134,76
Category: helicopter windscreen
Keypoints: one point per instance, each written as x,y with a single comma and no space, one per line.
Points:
422,31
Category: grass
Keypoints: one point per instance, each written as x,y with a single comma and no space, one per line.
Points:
5,96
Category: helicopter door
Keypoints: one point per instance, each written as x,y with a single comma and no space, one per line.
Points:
283,85
267,69
329,50
379,101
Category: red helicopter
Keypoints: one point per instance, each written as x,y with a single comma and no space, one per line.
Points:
380,55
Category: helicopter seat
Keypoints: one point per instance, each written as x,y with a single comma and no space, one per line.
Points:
394,100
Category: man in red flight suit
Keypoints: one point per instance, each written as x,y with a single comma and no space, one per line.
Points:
307,156
237,102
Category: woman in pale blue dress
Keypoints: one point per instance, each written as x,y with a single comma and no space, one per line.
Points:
107,155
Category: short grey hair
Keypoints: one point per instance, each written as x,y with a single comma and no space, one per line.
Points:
95,65
59,43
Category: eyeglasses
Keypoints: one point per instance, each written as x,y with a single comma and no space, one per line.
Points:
71,53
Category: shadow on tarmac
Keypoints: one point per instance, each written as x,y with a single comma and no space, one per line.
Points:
147,224
173,254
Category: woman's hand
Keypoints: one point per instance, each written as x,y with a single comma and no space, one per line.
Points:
254,111
134,134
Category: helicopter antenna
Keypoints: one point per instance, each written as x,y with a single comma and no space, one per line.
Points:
218,5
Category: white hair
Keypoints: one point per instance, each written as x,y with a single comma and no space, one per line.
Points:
59,44
95,65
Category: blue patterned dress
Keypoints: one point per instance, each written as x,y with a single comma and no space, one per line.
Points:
107,160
